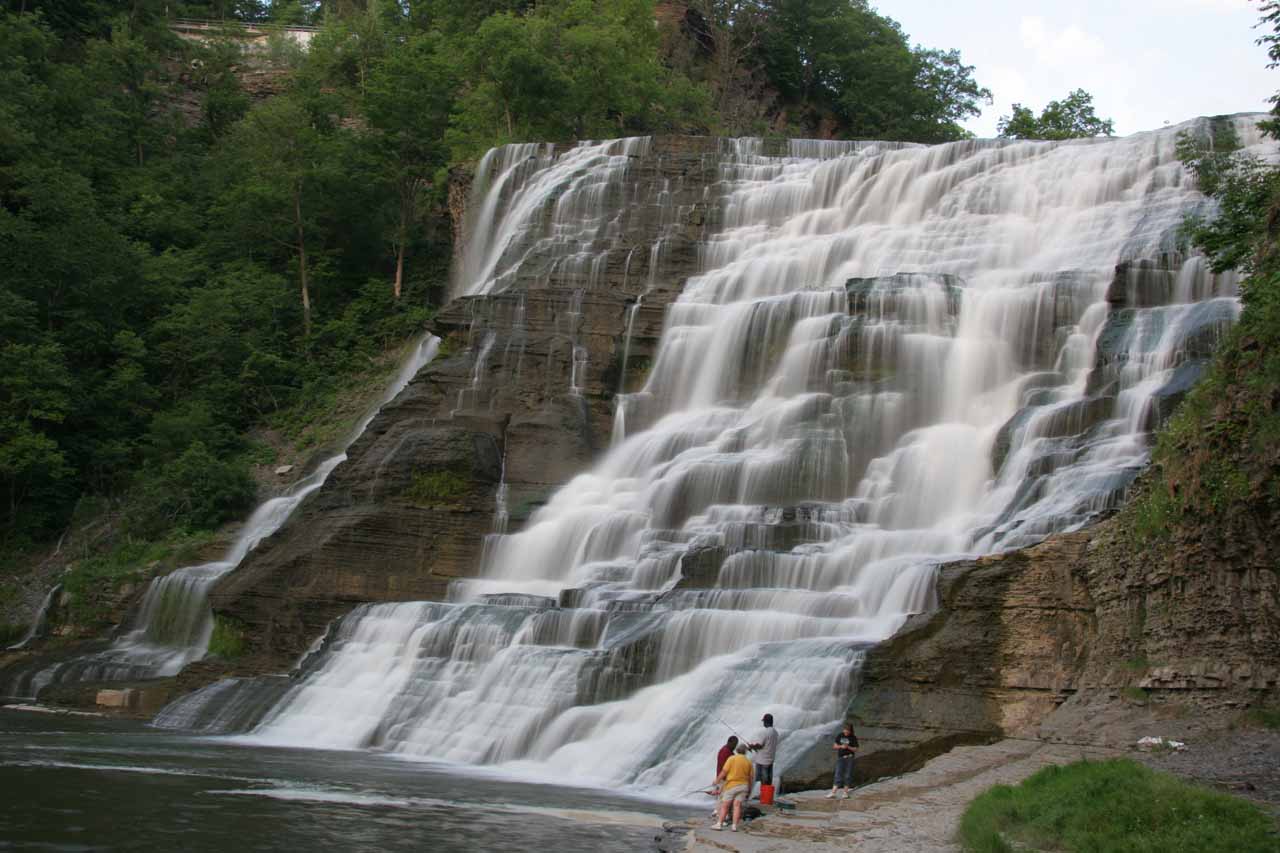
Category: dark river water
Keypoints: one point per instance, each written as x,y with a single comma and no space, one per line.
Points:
87,783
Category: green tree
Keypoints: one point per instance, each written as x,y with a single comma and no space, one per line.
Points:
842,69
407,102
127,73
569,69
1071,118
278,163
35,396
946,94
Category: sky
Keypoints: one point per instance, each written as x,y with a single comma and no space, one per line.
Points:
1146,62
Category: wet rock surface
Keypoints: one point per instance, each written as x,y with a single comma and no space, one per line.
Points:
1078,639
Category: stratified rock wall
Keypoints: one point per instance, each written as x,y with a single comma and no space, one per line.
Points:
1083,639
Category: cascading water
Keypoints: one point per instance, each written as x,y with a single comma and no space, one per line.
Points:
40,620
173,623
892,356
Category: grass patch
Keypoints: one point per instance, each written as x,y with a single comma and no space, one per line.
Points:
228,638
330,406
430,488
1153,514
11,633
92,582
1136,695
1267,718
1116,805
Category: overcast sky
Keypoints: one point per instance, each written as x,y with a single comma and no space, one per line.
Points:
1146,62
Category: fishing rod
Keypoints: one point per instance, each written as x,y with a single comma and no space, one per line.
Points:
740,738
703,790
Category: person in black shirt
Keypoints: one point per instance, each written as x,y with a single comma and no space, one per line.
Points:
845,747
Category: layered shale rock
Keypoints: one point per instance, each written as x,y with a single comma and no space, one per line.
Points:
1084,639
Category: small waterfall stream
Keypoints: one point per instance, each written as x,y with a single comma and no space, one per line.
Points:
892,356
40,620
173,624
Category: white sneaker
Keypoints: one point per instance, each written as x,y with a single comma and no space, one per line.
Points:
831,796
735,827
844,795
717,826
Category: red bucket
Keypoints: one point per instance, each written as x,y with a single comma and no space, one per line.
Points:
766,795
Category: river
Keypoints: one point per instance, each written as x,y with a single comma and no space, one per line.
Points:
91,783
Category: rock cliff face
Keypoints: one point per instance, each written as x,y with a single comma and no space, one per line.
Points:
521,395
1084,638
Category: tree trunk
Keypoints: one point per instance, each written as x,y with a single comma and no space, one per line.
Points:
302,263
399,269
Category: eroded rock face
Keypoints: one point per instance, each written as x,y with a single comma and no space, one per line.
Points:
1000,652
1082,638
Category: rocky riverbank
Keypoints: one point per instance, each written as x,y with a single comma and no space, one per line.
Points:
919,812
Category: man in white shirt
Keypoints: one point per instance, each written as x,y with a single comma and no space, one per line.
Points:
766,747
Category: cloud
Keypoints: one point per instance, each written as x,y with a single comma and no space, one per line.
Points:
1068,47
1209,5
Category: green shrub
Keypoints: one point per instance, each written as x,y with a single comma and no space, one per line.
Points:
1116,805
92,582
436,487
227,640
11,633
196,491
1153,514
1267,718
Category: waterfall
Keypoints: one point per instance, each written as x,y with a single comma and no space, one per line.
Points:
40,619
173,624
892,356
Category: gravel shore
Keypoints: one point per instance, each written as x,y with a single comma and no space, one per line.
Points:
1244,761
920,812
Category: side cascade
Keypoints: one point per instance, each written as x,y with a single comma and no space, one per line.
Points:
173,623
892,356
41,619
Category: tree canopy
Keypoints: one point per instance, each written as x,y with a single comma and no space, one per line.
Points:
202,241
1071,118
836,68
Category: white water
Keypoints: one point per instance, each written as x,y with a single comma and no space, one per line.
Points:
584,187
41,617
817,445
173,624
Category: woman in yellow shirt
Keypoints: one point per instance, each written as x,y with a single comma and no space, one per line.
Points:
736,776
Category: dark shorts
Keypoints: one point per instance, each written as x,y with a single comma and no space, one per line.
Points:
844,772
764,774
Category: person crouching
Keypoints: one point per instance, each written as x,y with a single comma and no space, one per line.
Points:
736,776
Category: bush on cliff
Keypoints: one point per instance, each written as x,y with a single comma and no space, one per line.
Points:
1116,805
1215,465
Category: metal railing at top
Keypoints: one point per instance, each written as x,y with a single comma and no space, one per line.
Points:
264,26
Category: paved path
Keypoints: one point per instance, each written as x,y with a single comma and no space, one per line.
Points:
915,813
